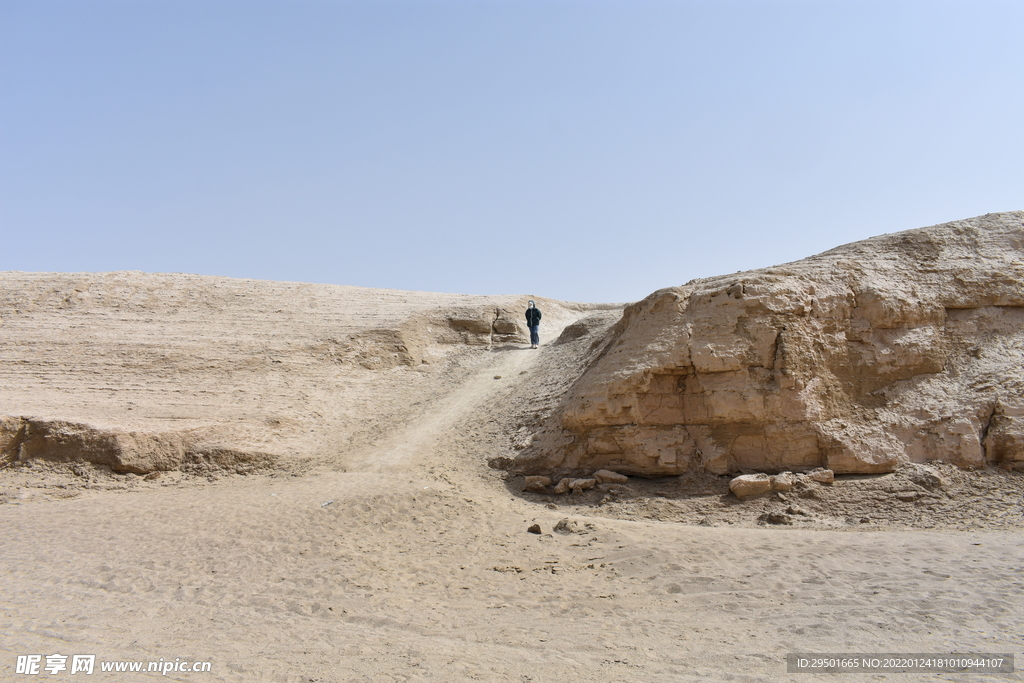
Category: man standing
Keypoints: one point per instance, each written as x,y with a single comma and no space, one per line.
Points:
533,322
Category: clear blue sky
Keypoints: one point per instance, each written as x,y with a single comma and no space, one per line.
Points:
590,151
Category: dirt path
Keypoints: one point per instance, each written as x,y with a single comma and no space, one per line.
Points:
405,449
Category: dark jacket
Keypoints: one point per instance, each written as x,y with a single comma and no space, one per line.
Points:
533,316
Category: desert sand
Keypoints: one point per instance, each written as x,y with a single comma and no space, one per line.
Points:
304,483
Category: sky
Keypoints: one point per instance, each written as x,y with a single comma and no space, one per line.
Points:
586,151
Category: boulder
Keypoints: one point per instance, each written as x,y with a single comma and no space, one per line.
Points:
783,481
609,477
822,476
750,485
925,476
537,484
564,485
578,485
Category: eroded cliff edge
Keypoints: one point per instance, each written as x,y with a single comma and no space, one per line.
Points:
904,347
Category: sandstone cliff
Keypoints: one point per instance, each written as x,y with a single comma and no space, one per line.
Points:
904,347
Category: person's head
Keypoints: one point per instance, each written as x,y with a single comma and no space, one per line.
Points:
532,305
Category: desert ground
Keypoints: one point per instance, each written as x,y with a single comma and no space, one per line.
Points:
340,511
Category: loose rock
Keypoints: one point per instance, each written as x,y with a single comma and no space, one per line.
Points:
579,485
926,477
822,476
783,481
564,485
534,529
609,477
568,525
537,484
571,525
750,485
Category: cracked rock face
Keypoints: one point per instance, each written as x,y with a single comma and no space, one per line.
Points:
904,347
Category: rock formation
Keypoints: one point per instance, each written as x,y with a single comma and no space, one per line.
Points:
904,347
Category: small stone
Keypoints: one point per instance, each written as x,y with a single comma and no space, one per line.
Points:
795,510
779,518
497,377
567,525
783,481
578,485
534,529
926,477
750,485
152,476
822,476
609,477
537,484
564,485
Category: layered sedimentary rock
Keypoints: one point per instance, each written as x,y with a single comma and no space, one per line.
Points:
904,347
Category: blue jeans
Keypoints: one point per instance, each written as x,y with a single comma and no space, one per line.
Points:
535,334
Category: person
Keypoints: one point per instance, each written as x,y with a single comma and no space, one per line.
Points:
533,322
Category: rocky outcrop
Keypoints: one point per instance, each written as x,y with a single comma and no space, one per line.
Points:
484,326
24,439
904,347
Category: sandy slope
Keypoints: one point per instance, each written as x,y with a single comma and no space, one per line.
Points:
285,370
406,558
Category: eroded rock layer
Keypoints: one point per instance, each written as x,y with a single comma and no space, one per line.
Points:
904,347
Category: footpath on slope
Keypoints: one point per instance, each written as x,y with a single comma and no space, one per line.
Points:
404,449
